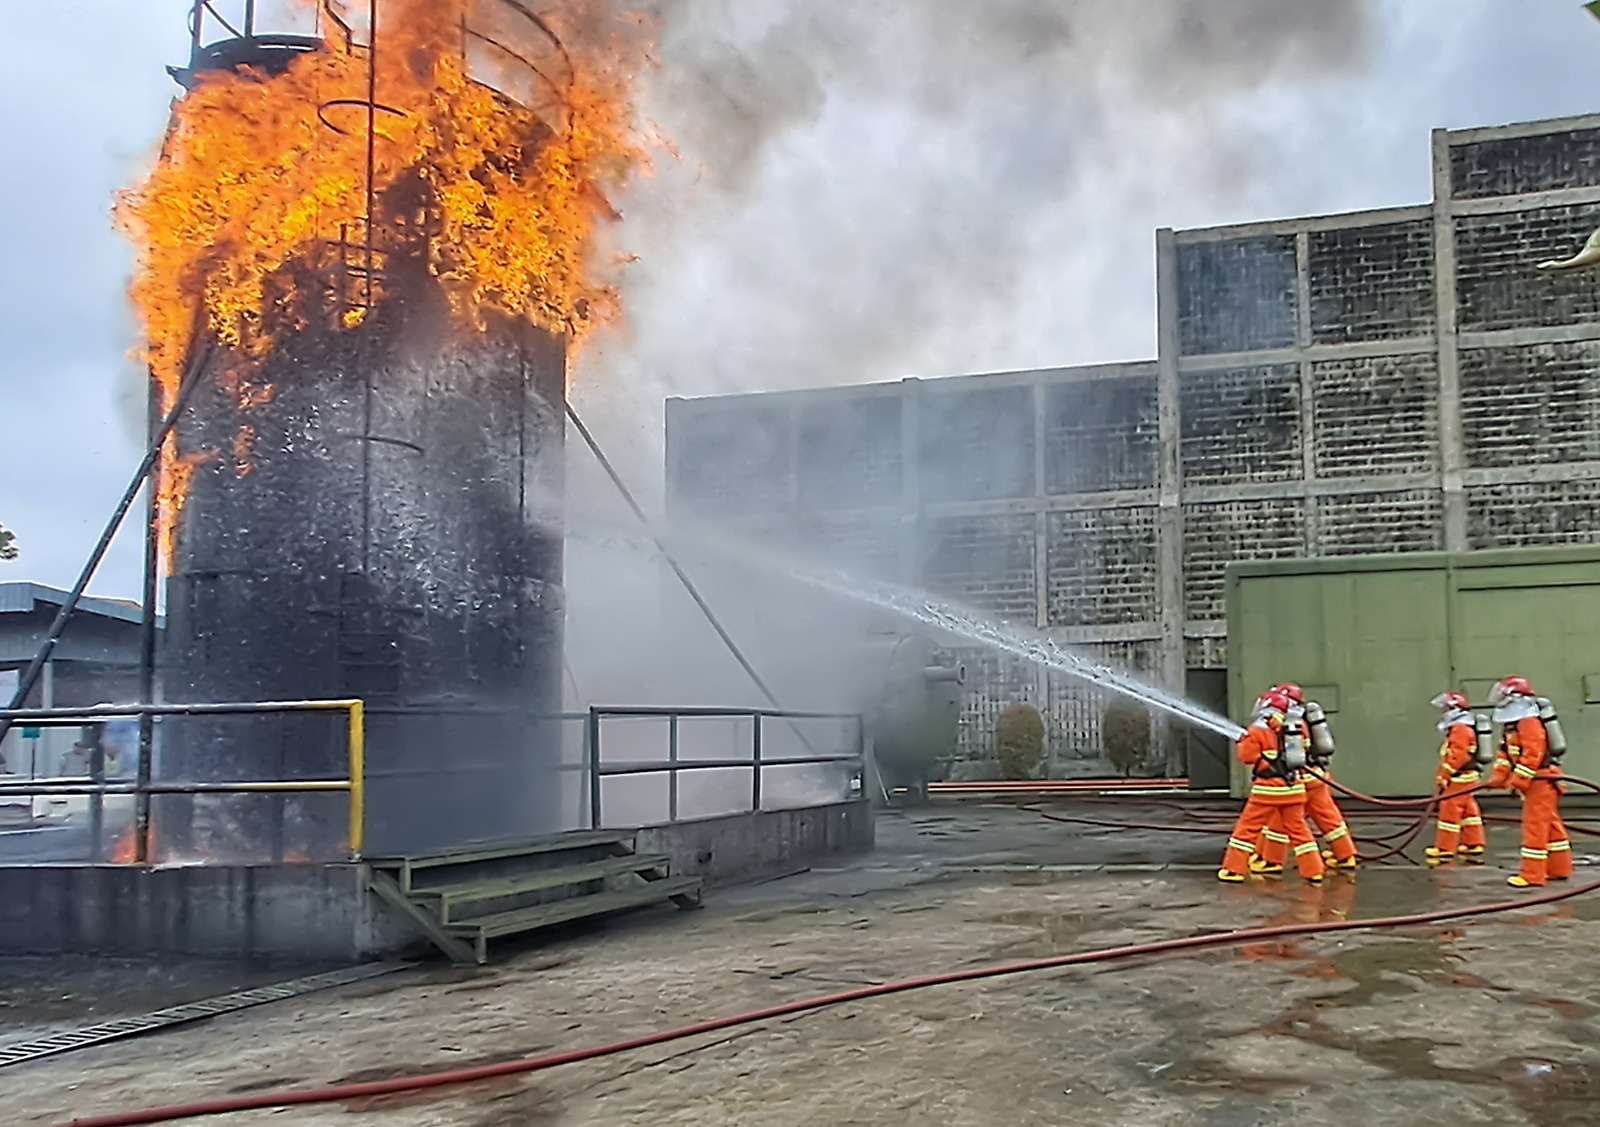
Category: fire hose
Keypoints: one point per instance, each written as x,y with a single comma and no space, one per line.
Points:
335,1094
1407,834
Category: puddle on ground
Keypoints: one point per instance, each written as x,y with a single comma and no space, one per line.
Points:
1550,1093
1190,1075
1388,968
1585,908
1055,933
1396,892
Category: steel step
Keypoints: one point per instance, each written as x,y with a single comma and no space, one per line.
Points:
577,908
446,898
580,840
406,868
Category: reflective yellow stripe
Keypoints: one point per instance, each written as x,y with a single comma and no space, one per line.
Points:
1267,790
1269,755
1338,831
1473,821
1242,847
1451,826
1560,846
1466,777
1521,770
1274,835
1302,850
1535,854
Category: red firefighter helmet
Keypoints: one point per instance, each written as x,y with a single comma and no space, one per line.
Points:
1508,688
1447,701
1274,700
1292,691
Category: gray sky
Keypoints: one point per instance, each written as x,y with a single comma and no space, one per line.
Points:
786,277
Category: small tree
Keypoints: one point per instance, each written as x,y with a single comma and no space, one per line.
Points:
8,544
1019,741
1125,735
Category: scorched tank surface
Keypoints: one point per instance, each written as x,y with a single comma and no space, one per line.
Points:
374,513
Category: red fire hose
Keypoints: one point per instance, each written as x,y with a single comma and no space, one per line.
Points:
263,1100
1412,803
1406,835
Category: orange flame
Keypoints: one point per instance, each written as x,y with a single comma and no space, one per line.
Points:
261,178
125,851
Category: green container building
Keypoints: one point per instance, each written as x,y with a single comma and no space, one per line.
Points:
1375,638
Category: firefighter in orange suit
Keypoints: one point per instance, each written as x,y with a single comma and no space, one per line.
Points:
1531,744
1322,811
1460,827
1273,748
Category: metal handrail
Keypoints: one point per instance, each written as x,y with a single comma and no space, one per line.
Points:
143,788
640,710
673,765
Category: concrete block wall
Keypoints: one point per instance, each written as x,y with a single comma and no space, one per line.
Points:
1390,381
1446,388
1031,497
1371,283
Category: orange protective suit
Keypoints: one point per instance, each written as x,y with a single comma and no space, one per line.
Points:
1523,765
1276,806
1323,812
1460,825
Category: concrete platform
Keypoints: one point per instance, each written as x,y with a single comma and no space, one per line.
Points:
324,913
1491,1022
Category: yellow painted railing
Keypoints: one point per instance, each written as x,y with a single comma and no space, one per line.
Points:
143,788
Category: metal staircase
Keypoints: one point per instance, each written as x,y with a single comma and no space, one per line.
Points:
464,898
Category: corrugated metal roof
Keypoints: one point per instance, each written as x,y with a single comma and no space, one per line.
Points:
24,598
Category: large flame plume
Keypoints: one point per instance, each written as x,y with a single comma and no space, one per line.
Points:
507,173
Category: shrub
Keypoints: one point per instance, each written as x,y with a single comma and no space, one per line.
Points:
1019,741
1125,735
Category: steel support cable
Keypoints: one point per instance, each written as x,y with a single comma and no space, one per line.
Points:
677,569
30,677
425,1081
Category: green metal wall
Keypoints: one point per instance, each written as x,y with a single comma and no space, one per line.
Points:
1375,638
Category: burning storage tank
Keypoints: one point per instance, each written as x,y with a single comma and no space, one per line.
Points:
387,532
370,264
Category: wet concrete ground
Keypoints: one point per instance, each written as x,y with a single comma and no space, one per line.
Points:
1495,1021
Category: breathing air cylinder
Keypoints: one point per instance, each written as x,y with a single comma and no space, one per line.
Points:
1322,747
1294,744
1552,728
1483,727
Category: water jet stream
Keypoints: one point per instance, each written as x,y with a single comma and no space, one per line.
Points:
958,623
954,622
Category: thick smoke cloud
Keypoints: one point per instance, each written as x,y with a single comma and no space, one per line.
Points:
873,190
868,190
742,75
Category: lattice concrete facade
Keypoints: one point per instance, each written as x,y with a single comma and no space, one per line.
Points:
1390,381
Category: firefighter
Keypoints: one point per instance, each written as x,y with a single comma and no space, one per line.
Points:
1531,743
1273,748
1322,811
1459,830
